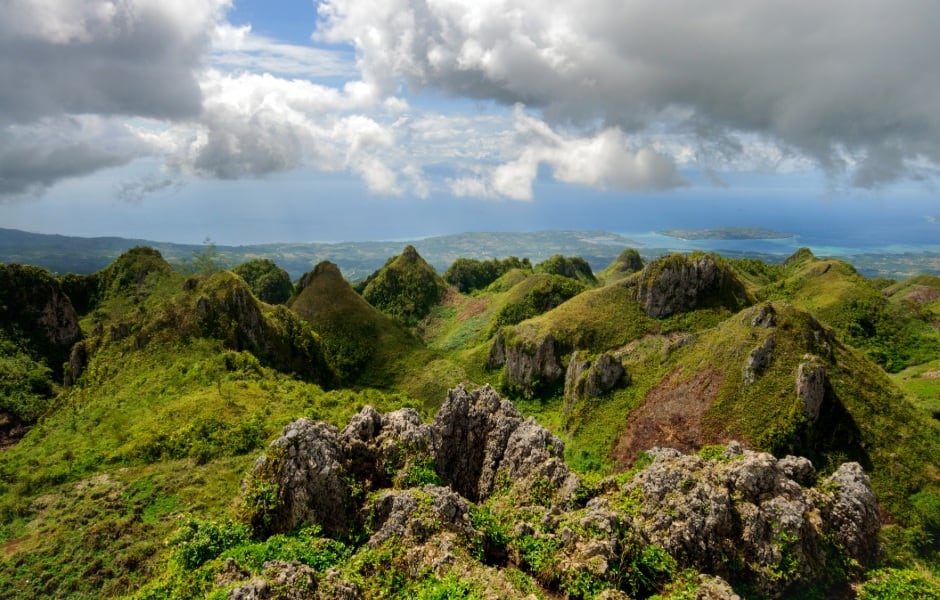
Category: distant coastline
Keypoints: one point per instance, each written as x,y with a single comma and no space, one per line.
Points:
726,233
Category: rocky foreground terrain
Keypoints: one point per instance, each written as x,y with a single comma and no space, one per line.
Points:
736,517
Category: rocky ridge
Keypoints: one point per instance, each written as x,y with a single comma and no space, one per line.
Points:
677,283
742,519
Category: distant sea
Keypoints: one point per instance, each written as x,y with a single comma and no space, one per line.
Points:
828,229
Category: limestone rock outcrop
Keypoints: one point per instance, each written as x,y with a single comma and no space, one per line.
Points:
476,438
747,520
742,519
677,283
33,300
589,379
758,360
811,386
478,435
528,364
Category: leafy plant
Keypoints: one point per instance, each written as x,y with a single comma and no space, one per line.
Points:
899,584
197,541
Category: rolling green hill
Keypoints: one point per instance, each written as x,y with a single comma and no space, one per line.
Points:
138,398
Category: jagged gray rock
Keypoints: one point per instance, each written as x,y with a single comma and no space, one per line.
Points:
305,467
527,364
743,518
852,516
758,360
811,386
765,317
417,514
676,284
478,434
282,581
747,510
589,379
497,357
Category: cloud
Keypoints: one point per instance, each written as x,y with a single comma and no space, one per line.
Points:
256,125
128,57
35,157
851,84
604,160
135,191
238,49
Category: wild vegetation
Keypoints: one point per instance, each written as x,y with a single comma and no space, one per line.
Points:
134,403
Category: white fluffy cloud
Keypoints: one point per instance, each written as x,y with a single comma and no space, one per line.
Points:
603,160
255,125
612,94
849,83
70,70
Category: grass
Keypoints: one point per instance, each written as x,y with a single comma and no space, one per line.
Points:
172,410
921,383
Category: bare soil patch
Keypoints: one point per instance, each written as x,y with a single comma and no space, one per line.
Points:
472,307
11,430
671,415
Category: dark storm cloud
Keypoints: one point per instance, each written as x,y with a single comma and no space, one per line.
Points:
128,57
34,157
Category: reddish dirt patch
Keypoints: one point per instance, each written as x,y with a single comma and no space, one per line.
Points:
473,307
9,548
11,430
671,415
922,294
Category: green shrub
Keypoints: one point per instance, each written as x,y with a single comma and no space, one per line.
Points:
467,274
573,267
197,541
898,584
268,282
449,588
25,384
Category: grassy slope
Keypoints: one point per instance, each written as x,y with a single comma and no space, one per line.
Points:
888,330
88,497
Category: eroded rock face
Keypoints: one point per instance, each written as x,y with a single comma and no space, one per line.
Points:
34,300
746,519
587,379
811,386
418,514
304,468
676,284
477,434
765,317
529,366
758,361
476,437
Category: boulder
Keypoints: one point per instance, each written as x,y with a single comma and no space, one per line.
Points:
758,361
587,379
529,366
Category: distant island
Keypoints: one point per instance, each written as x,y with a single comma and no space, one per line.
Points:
726,233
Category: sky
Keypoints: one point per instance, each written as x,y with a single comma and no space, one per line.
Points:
251,121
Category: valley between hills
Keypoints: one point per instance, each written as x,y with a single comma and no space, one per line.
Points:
679,426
